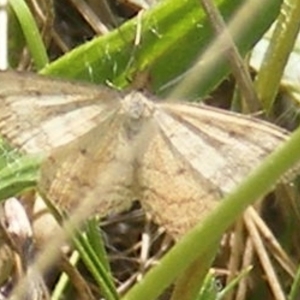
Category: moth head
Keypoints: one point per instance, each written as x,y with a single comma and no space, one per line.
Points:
135,105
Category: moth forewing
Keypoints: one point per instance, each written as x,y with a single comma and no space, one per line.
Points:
39,114
225,148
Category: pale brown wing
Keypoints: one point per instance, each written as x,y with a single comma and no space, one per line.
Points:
39,114
79,130
198,155
172,192
220,145
93,174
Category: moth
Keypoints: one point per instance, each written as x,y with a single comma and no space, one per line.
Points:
106,148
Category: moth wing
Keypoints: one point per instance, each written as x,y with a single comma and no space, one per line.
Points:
39,114
224,147
77,128
93,174
174,195
197,156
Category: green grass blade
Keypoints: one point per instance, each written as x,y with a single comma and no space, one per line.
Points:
19,176
31,33
281,46
173,34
